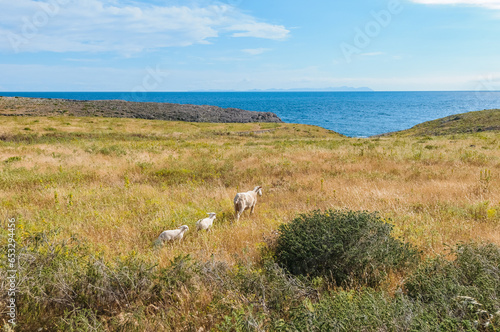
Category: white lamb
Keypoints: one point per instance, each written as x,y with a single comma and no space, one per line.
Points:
174,234
244,201
205,223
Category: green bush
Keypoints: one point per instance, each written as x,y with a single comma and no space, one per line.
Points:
65,284
458,295
367,310
260,296
465,288
345,246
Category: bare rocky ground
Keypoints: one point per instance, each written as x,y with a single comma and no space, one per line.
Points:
20,106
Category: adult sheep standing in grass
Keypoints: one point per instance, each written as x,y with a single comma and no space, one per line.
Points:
244,201
170,235
205,223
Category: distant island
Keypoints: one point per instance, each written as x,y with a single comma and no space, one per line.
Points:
330,89
337,89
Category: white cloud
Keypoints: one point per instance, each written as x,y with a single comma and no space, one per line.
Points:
492,4
108,26
255,51
259,30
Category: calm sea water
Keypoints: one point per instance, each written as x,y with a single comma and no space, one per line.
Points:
356,114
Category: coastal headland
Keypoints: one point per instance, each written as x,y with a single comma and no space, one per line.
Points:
21,106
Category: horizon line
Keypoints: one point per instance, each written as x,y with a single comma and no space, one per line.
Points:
237,91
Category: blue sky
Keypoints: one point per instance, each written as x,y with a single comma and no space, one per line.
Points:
114,45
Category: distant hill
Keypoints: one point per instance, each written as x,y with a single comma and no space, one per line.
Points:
334,89
471,122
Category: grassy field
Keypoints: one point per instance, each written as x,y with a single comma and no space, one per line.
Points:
116,184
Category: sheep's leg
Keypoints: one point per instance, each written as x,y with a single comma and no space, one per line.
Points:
238,209
251,210
239,213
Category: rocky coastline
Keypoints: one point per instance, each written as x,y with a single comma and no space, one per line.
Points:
21,106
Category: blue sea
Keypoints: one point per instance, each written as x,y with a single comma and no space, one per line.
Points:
355,114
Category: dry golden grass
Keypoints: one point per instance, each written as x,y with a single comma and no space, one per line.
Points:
120,182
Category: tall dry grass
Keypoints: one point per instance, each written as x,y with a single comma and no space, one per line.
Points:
117,183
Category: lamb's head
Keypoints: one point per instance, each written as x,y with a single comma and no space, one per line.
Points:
211,215
184,228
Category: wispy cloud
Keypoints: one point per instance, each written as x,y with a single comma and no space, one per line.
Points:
259,30
255,51
492,4
131,28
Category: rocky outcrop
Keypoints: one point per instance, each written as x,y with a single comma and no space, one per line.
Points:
20,106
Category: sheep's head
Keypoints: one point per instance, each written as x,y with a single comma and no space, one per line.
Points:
183,227
211,215
258,190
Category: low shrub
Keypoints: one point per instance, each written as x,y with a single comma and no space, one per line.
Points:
68,287
261,295
442,295
61,276
367,310
466,288
347,247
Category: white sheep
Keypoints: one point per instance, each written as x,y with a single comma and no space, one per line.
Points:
244,201
205,223
174,234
